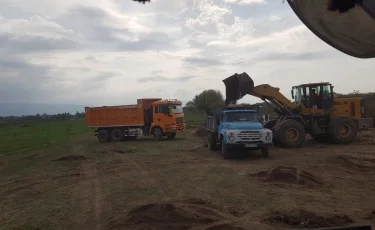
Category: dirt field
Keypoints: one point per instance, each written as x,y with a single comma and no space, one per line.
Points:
179,184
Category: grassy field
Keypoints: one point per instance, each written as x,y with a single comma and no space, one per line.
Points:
33,135
78,183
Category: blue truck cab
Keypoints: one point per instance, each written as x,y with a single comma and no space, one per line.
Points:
236,127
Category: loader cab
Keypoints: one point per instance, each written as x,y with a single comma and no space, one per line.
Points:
314,95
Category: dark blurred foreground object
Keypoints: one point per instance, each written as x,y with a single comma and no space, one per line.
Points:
346,228
347,25
142,1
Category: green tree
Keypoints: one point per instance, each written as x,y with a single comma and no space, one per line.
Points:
207,99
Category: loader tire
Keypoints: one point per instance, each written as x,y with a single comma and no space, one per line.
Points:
117,135
270,124
103,136
211,141
342,130
158,134
290,133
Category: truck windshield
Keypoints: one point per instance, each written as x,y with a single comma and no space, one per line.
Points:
177,109
240,117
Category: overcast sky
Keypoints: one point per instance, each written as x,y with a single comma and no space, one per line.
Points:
108,52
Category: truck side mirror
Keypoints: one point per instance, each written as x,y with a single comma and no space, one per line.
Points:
292,93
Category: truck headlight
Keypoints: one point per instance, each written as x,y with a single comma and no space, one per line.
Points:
231,138
174,129
268,138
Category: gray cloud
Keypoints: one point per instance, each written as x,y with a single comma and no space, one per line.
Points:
23,82
90,21
162,78
202,61
25,43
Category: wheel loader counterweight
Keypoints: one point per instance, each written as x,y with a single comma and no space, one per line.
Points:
314,111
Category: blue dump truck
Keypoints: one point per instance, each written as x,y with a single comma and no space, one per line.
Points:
236,126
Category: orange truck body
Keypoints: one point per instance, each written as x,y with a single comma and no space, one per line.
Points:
150,116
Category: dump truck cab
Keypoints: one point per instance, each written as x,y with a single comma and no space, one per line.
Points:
169,116
236,127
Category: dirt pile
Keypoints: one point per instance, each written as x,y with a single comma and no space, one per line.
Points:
290,175
306,219
357,162
175,215
72,158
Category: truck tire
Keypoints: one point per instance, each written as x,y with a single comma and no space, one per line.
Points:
211,141
290,133
225,150
171,136
264,152
103,136
158,134
117,135
342,130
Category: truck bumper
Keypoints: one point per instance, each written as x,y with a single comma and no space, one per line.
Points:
176,129
250,145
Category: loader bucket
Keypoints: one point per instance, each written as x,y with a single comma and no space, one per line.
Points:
347,25
237,86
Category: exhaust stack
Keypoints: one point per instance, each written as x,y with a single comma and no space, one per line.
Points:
237,86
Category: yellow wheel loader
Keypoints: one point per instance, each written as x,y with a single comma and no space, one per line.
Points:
314,110
347,25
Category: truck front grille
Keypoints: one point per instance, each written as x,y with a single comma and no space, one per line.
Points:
249,135
179,120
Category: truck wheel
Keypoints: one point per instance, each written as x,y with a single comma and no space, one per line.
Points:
264,152
225,150
342,130
103,136
290,133
211,141
171,136
117,135
158,134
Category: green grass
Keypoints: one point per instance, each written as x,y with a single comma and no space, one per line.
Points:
29,136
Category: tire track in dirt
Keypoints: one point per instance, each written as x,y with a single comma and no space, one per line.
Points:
91,205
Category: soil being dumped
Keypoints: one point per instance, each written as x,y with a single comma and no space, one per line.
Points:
175,215
72,158
306,219
290,175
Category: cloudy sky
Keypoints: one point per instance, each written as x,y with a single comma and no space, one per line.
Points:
108,52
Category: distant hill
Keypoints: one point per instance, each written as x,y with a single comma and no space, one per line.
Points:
18,109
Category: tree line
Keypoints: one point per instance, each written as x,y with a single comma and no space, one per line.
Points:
210,98
44,116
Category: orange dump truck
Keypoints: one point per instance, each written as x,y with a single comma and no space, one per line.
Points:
149,117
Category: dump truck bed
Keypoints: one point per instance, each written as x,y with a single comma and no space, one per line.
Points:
112,116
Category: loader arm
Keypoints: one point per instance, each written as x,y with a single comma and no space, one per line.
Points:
272,96
239,85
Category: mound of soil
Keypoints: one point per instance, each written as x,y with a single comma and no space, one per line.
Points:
287,174
174,215
364,163
223,227
306,219
72,158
